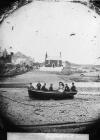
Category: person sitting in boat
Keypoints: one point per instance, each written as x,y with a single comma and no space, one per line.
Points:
67,89
61,87
44,87
73,87
31,87
38,86
51,87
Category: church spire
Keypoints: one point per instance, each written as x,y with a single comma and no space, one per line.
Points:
60,55
46,55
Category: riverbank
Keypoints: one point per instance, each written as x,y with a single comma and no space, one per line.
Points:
10,70
16,105
44,76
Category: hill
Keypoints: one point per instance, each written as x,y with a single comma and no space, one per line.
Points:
20,58
21,55
72,68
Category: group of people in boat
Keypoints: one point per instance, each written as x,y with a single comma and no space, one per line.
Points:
62,87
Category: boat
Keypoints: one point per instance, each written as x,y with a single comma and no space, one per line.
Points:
46,95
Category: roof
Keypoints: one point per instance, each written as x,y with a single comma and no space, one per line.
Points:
53,58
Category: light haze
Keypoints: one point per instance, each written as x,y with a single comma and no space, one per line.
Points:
70,28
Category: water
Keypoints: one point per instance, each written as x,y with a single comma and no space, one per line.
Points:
35,76
25,111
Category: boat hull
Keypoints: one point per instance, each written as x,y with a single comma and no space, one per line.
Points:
46,95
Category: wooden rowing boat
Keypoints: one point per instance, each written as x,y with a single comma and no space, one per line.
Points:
39,94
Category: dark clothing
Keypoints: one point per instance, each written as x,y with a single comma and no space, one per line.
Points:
73,88
67,88
50,88
30,87
44,88
38,86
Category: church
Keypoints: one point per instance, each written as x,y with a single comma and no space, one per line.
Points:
53,61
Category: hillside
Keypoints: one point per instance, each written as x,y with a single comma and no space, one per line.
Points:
20,57
87,70
20,64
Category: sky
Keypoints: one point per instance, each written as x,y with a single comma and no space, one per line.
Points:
53,27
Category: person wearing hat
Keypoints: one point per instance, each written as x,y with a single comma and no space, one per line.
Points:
30,86
73,87
67,89
51,87
44,87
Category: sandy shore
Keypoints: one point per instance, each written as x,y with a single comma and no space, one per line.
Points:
16,105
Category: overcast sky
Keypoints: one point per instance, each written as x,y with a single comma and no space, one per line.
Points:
55,27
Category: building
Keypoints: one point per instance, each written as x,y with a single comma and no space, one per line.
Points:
53,61
5,57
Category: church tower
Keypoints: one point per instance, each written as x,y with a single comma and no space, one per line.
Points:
46,56
60,55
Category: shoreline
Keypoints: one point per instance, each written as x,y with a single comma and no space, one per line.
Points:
75,77
12,75
18,107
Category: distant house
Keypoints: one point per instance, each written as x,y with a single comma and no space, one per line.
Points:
5,57
53,61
